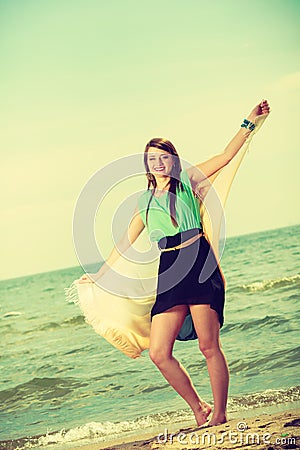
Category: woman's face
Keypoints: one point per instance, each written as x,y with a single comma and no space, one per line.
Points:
159,161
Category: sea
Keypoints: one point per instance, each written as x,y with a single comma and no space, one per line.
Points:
63,385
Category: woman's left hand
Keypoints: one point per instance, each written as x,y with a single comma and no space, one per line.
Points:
262,108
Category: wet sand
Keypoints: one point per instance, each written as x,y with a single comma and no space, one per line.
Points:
263,432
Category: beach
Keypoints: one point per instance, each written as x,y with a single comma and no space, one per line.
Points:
267,431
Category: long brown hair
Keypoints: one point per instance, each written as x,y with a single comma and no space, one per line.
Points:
164,144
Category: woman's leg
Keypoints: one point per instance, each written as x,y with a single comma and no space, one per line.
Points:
208,330
164,330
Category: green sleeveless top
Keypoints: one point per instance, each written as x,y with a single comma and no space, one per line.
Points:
159,219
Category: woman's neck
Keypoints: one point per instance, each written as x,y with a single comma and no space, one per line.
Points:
162,184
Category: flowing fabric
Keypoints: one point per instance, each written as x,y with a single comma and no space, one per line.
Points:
123,319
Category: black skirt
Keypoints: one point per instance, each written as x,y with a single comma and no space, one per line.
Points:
189,275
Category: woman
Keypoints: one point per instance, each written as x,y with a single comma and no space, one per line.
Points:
170,213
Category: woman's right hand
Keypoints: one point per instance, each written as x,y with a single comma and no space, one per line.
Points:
88,278
93,277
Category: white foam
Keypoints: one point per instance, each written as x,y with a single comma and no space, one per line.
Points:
12,314
268,284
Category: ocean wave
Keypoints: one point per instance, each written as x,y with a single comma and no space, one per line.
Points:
48,289
267,321
268,284
250,366
266,398
96,431
76,320
73,321
100,431
37,389
49,326
12,314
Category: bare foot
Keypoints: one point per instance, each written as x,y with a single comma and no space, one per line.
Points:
217,420
202,413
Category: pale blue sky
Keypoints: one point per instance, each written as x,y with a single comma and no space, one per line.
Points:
85,82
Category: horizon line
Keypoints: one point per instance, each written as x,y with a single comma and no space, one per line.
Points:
97,262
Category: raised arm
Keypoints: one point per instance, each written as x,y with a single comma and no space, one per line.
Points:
134,229
207,168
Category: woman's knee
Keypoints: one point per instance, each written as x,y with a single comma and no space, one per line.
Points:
159,356
209,347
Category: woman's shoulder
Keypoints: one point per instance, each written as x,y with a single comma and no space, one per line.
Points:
184,177
187,182
144,195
